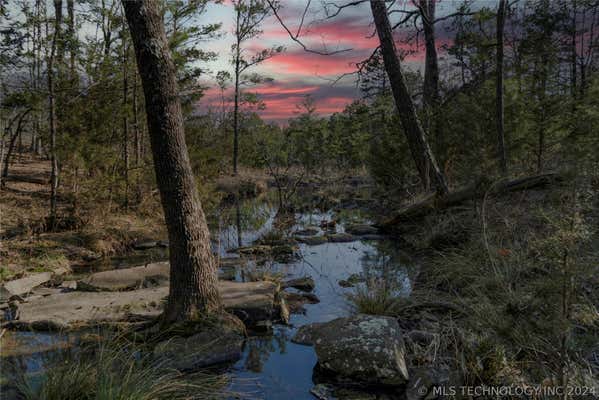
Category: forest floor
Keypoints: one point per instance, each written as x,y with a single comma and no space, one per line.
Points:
26,246
507,286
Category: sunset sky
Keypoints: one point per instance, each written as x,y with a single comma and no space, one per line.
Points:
297,73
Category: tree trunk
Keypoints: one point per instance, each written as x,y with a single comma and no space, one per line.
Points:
125,120
431,65
52,115
136,136
573,54
11,145
421,152
193,278
501,151
431,78
72,43
236,100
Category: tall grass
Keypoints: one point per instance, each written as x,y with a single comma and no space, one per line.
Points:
115,369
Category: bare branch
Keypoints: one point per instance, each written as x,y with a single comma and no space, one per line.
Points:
296,39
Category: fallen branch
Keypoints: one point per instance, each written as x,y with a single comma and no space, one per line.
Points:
415,212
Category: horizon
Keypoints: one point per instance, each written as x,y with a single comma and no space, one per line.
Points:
296,72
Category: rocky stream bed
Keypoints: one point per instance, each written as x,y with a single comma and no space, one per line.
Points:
304,342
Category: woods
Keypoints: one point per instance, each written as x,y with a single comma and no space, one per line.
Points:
296,199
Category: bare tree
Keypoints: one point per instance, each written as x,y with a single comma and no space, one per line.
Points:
193,277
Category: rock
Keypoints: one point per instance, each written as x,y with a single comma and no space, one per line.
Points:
421,337
305,284
296,301
341,238
323,391
364,348
351,281
227,273
209,347
309,231
145,245
258,249
69,285
324,224
361,229
252,302
227,262
163,243
285,249
307,334
373,236
312,240
23,285
155,274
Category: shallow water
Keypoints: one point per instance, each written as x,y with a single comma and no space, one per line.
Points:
274,367
271,366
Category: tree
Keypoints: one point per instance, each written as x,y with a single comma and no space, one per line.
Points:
421,152
193,278
249,14
501,9
56,36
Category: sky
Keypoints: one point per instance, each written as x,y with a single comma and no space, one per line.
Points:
297,73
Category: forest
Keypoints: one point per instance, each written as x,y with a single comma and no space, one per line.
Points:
299,199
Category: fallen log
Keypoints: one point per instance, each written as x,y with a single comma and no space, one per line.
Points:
415,212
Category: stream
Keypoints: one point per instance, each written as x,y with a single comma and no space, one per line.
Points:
271,367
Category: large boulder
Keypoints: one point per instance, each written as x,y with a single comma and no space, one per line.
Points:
364,348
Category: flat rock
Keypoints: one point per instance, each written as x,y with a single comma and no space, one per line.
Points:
363,348
252,302
312,240
341,238
209,347
305,284
373,236
150,244
361,229
154,274
296,301
309,231
24,285
231,262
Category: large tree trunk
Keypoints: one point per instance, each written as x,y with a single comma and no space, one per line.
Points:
501,151
421,152
193,278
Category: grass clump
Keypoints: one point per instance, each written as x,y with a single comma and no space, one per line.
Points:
115,369
374,298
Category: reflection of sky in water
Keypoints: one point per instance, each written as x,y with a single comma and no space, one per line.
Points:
271,366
